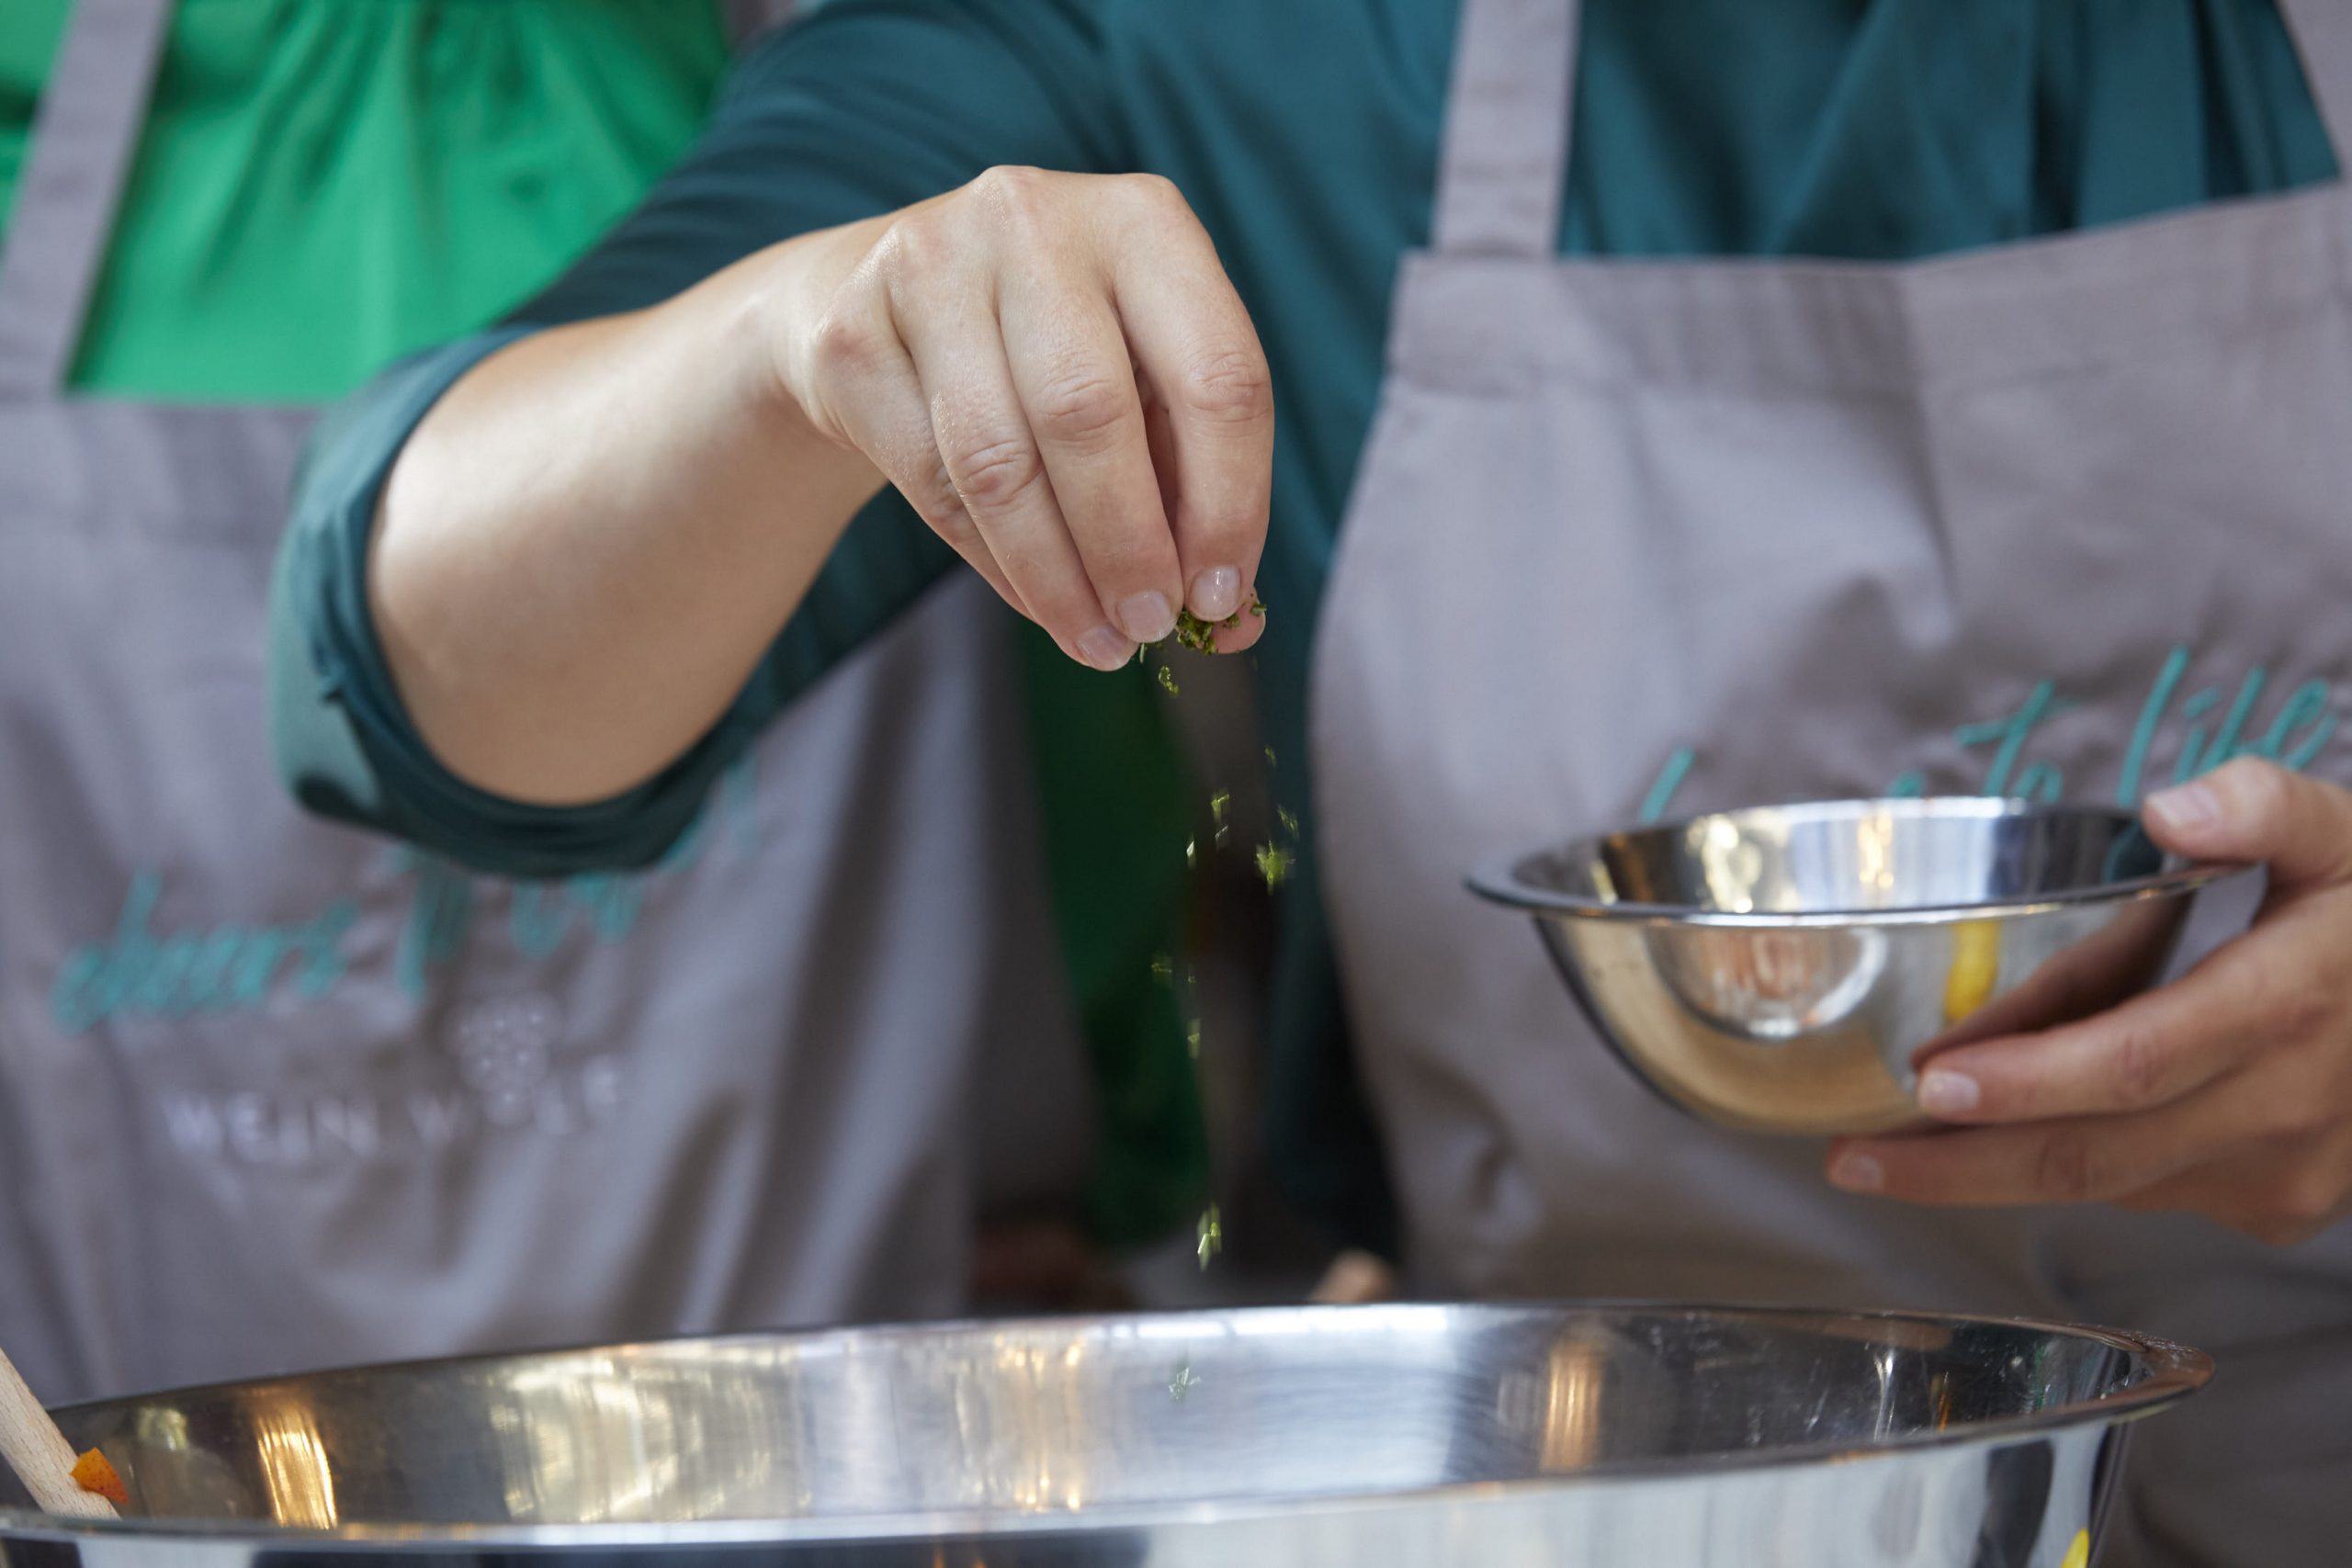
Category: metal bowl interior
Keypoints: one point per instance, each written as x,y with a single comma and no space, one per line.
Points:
1862,861
1064,1423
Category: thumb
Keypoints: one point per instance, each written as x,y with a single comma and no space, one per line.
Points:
2256,810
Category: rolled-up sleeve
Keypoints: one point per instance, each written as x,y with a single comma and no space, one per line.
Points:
868,106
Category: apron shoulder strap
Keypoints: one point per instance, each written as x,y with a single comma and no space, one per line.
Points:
746,19
2323,30
84,137
1503,157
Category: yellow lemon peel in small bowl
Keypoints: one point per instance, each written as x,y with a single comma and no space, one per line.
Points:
1975,967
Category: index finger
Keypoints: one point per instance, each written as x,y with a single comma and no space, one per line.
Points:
2148,1052
1203,372
2078,1160
1071,371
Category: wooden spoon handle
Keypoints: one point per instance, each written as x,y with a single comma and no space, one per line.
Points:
38,1452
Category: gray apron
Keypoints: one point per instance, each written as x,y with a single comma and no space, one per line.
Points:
274,1094
2066,517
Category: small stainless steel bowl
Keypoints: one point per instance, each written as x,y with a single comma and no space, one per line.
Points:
1788,968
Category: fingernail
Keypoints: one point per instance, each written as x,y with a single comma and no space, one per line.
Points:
2188,805
1216,593
1146,616
1105,648
1945,1093
1857,1173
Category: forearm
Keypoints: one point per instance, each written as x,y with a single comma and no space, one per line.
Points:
588,543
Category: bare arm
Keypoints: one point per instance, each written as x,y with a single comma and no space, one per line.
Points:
588,543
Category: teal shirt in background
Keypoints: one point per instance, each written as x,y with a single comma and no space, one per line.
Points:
1305,134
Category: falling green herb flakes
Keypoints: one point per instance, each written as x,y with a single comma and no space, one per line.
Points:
1212,1233
1273,865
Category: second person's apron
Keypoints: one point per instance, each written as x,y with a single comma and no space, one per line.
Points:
2071,517
275,1095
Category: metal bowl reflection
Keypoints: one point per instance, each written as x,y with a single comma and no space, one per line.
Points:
1422,1434
1788,969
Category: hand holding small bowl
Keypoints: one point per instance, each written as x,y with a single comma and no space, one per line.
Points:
2227,1093
1957,991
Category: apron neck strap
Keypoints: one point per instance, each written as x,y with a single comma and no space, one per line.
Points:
2323,30
1503,162
84,137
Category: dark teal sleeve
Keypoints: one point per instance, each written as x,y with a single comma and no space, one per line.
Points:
866,106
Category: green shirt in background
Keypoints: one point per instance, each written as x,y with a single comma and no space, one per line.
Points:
325,186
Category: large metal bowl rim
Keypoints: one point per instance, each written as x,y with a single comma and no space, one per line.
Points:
2173,1372
1507,881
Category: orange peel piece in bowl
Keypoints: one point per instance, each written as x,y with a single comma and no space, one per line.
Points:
93,1474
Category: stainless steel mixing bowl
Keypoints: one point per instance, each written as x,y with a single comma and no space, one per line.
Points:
1788,969
1538,1437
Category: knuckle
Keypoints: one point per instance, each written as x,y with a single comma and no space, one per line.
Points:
2064,1171
993,471
2276,1227
1230,385
936,503
2307,1009
2142,1072
914,250
2307,1197
2269,1230
1082,407
2297,1116
1155,191
846,345
1014,193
